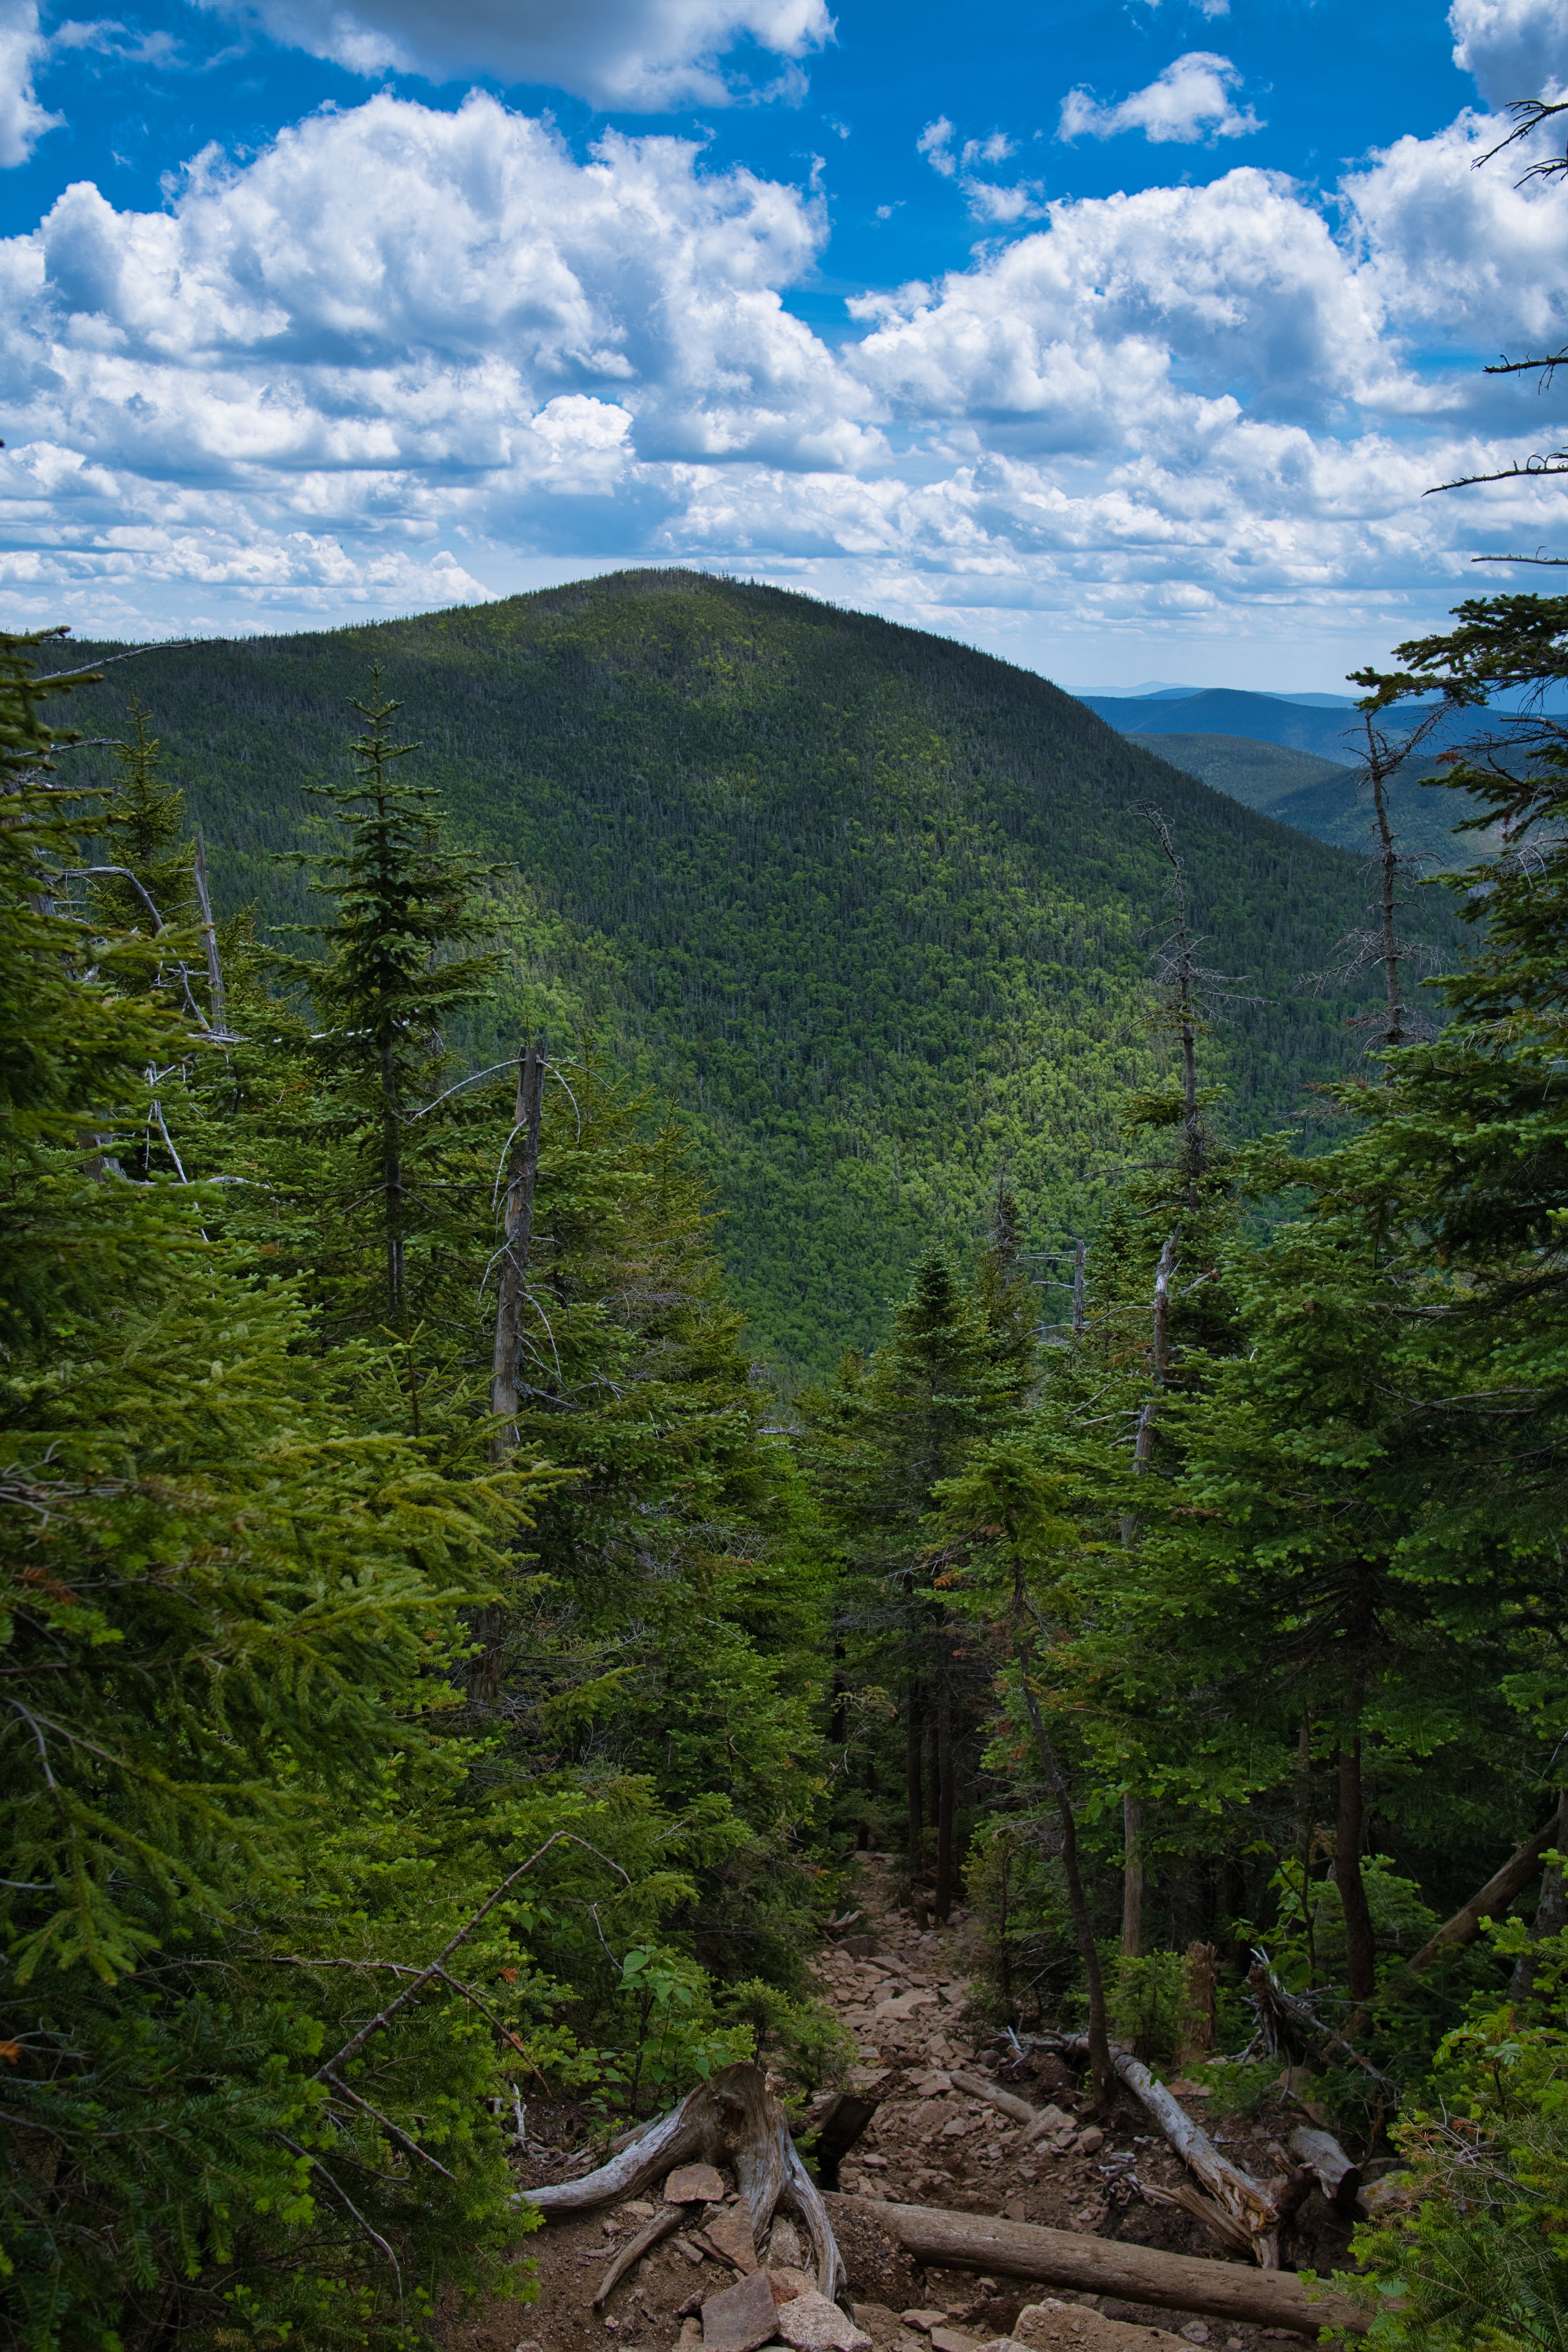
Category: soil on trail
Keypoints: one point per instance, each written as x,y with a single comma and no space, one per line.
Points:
903,1991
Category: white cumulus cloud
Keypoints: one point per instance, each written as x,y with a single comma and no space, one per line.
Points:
1514,48
403,353
1190,100
647,56
988,200
23,46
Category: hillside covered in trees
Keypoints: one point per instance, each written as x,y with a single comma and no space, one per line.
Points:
446,1689
875,911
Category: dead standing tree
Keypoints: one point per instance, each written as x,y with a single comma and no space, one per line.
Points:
1189,992
1381,946
521,1178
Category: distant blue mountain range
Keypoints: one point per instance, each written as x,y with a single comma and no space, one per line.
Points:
1323,724
1156,691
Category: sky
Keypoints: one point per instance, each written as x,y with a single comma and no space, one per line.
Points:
1122,337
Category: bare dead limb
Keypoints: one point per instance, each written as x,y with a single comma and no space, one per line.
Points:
1466,1924
733,2119
394,2131
1251,2217
1274,2005
351,2048
669,2219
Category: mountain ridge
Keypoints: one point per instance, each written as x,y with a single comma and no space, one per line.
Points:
875,909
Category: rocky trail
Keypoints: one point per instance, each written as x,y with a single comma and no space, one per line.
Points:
699,2283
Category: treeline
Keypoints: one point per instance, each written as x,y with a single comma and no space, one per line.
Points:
1236,1615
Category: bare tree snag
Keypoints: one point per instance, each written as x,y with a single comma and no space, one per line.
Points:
835,2129
523,1175
733,2119
217,996
946,1793
974,2242
1131,1876
1200,1988
1099,2042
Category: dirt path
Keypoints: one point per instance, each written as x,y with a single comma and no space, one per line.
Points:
904,1992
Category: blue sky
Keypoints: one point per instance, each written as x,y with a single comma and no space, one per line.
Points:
1122,337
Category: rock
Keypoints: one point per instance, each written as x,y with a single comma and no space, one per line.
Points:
1090,2142
1195,2332
690,2334
693,2255
860,1948
1075,2327
787,2281
693,2184
875,2320
637,2209
953,2339
729,2233
784,2250
741,2317
811,2323
924,2320
1048,2124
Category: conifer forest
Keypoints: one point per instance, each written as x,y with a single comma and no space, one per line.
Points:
691,1287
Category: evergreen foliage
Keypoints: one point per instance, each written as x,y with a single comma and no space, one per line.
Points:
257,1790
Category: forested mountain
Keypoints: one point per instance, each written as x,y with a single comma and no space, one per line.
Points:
874,909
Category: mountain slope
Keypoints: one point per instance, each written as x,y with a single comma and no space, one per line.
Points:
875,909
1264,775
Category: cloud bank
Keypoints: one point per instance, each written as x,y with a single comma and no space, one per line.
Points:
405,352
646,56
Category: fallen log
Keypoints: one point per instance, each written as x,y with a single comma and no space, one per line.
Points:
733,2119
974,2242
1242,2211
1006,2102
1338,2177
